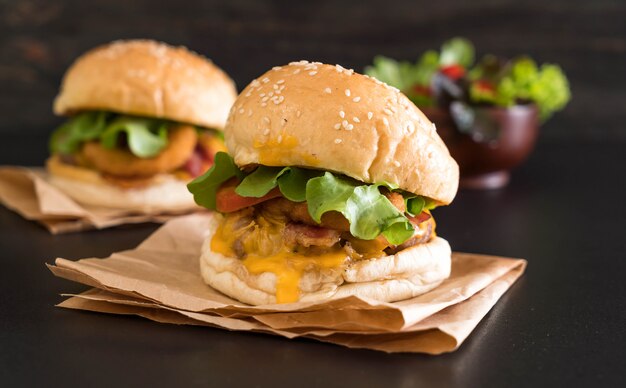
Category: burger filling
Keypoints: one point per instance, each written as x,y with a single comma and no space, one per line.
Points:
129,150
286,220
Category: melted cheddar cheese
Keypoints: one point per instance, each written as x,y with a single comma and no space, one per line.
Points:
289,268
274,151
265,237
258,238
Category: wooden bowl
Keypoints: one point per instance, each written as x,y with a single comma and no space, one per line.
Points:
485,161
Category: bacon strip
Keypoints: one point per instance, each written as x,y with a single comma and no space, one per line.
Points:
308,235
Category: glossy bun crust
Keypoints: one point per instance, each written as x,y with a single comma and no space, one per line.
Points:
148,78
327,117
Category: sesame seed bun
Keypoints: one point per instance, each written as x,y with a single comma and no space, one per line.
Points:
408,273
162,193
327,117
148,78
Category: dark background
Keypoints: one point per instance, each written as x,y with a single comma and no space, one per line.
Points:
561,324
39,40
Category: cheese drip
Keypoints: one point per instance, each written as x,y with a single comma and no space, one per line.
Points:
260,238
287,263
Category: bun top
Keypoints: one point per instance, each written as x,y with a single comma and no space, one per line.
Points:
327,117
148,78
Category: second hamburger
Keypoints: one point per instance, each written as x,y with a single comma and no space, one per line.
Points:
144,119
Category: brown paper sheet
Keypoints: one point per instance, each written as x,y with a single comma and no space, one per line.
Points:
160,280
26,191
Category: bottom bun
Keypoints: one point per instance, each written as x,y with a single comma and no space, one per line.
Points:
406,274
164,193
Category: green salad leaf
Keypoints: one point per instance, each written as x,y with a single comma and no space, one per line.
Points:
406,76
145,137
83,127
261,181
523,81
493,80
204,188
327,193
367,210
457,51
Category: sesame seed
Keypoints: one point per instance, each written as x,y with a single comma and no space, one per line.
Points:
249,93
356,99
349,127
278,100
296,71
312,72
280,81
255,83
369,115
342,114
275,87
249,112
270,94
264,99
356,120
298,113
396,163
388,111
410,127
385,121
265,80
264,104
327,90
393,109
279,138
276,68
338,126
338,141
266,119
241,110
344,123
262,94
339,68
348,92
266,131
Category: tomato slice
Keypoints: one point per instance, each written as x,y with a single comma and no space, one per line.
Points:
453,71
228,201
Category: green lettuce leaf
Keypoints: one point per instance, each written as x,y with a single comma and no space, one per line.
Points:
291,181
457,51
367,210
414,205
81,128
370,214
204,188
327,193
145,137
261,181
293,184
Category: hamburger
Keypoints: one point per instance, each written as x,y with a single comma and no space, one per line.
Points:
326,193
144,118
